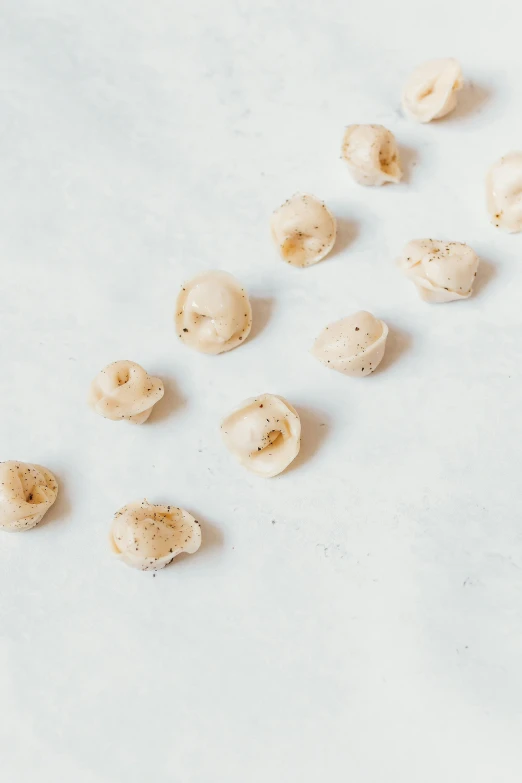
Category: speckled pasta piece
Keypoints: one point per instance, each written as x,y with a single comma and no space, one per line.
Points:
504,193
371,154
431,91
354,345
213,313
27,492
149,537
303,230
264,434
442,271
124,391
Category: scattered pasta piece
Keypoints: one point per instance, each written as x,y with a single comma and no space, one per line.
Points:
303,229
264,434
149,537
123,390
504,192
442,271
431,91
213,313
27,492
354,345
371,154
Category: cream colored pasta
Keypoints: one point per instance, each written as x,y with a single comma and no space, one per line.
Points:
213,313
303,230
264,434
124,391
431,90
149,537
371,154
442,271
504,192
27,492
354,345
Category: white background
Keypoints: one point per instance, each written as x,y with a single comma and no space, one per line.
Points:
359,617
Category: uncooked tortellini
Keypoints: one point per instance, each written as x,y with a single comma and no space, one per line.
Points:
442,271
504,192
123,390
149,537
213,313
264,434
27,492
371,154
303,229
354,345
431,90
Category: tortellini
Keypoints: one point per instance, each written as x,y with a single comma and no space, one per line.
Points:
442,271
354,345
264,434
431,91
149,537
371,154
303,229
504,192
213,313
27,492
123,390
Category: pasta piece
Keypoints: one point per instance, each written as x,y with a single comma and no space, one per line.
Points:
354,345
504,192
264,434
123,390
27,492
213,313
371,154
431,90
442,271
149,537
303,229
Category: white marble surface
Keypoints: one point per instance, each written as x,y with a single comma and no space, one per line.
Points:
358,618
